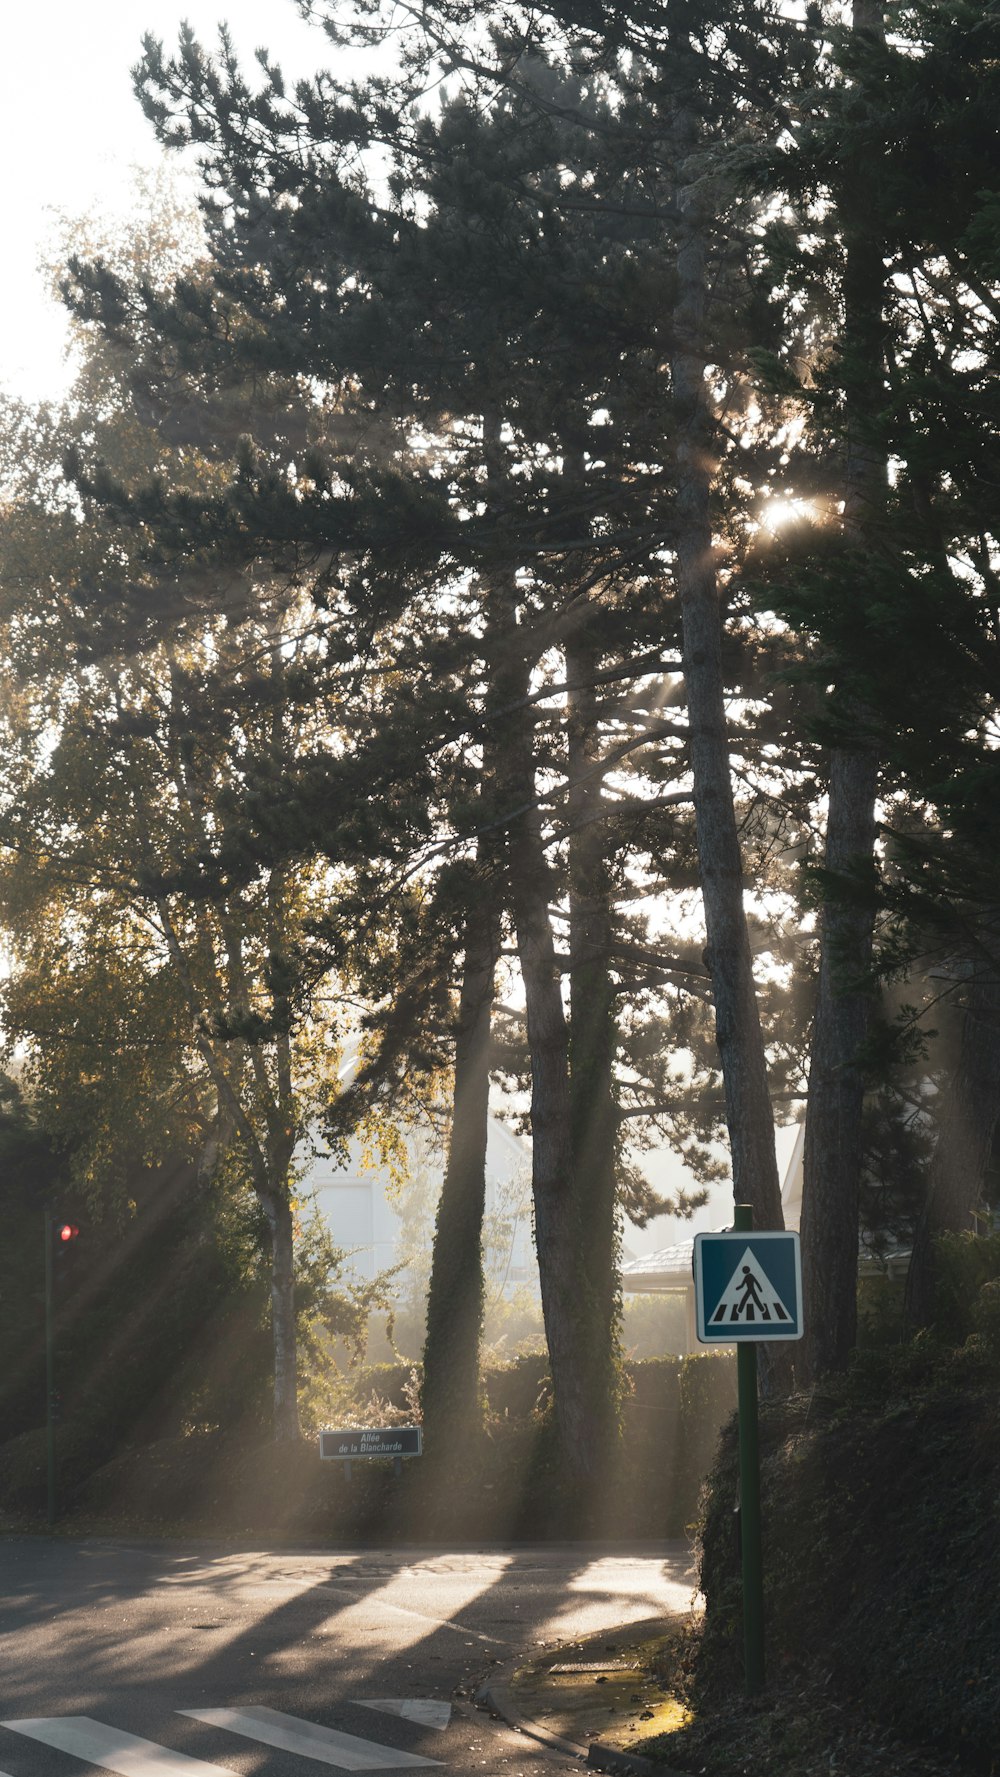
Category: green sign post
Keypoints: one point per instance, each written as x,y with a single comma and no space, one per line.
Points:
748,1288
751,1547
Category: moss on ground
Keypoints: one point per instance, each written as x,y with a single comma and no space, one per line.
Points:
616,1692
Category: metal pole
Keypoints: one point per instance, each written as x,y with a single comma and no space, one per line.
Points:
750,1537
50,1424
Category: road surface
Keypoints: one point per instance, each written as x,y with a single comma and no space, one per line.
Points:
173,1660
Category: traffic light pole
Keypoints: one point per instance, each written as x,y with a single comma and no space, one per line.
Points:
750,1536
50,1380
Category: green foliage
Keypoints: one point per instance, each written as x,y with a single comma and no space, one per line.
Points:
986,1317
519,1390
365,1395
513,1325
914,625
898,1143
219,1476
162,1317
652,1325
33,1173
160,1320
176,971
881,1312
966,1265
707,1391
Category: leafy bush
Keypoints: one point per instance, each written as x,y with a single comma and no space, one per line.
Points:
24,1469
518,1389
986,1316
366,1395
506,1484
964,1263
881,1312
654,1324
706,1387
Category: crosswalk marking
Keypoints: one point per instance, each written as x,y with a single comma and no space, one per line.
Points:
127,1754
428,1711
309,1739
750,1296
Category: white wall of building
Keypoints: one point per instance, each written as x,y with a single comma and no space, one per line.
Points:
358,1206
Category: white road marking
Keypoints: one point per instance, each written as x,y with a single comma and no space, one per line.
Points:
428,1711
309,1739
421,1616
100,1745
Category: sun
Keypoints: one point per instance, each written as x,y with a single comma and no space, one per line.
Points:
777,514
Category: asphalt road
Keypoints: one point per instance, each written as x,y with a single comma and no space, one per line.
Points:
121,1656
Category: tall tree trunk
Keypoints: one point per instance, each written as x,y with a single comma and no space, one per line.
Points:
970,1113
593,1024
582,1376
728,957
833,1148
572,1331
450,1391
278,1211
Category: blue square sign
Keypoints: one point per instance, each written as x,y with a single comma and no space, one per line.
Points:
747,1287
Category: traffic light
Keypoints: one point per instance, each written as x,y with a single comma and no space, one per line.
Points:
65,1233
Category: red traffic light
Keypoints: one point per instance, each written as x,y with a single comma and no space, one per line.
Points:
67,1231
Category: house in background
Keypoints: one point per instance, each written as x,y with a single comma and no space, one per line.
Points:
357,1205
365,1219
669,1271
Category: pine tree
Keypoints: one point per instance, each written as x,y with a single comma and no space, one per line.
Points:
509,343
903,632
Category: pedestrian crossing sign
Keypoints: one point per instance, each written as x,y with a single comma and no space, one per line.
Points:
747,1287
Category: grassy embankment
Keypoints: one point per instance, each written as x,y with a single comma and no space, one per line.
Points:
881,1501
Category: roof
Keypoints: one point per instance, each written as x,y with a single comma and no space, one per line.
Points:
661,1272
671,1269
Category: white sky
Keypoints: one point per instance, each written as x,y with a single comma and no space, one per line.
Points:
71,131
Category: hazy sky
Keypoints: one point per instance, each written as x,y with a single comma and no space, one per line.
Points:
71,131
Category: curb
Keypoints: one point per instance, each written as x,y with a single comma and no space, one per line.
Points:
628,1764
497,1698
597,1757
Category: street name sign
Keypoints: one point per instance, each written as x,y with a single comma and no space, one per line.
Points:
747,1287
392,1441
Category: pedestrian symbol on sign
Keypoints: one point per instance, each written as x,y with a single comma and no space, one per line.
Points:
750,1296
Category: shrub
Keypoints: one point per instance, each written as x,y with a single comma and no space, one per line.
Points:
519,1389
964,1263
654,1324
706,1385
